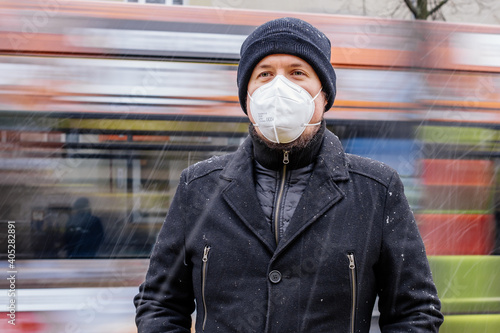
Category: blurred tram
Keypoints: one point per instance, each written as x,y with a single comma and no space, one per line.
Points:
106,103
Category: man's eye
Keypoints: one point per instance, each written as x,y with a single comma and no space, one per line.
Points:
264,74
298,73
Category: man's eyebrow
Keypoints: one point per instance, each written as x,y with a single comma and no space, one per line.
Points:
264,66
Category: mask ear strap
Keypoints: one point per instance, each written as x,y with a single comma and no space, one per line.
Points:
315,124
320,90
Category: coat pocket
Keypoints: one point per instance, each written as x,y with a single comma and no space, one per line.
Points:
204,271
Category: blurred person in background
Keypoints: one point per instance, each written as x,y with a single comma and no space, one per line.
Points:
84,231
289,233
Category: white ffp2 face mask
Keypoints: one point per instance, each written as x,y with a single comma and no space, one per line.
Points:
282,109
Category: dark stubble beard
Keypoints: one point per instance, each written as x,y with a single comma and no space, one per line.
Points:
298,144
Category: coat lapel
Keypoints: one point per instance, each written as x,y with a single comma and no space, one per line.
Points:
241,197
322,191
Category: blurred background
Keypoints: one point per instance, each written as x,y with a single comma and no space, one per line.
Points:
104,103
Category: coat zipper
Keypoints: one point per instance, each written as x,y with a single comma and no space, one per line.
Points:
286,160
203,282
352,275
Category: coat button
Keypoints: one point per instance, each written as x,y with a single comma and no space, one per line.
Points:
275,276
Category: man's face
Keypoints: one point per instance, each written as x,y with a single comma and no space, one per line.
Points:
299,72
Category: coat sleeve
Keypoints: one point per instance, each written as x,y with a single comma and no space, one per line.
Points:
166,299
408,299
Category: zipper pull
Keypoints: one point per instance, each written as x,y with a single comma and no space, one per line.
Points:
286,160
205,253
351,261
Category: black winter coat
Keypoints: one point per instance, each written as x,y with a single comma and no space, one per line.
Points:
352,237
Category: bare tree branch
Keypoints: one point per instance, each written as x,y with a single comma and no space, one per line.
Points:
412,8
435,9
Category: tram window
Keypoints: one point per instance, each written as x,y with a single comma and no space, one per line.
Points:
94,195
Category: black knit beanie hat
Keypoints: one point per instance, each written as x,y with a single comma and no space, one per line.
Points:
287,36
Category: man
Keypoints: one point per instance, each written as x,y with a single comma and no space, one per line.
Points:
84,231
289,233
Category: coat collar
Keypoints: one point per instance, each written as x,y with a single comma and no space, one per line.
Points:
298,158
331,156
330,167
